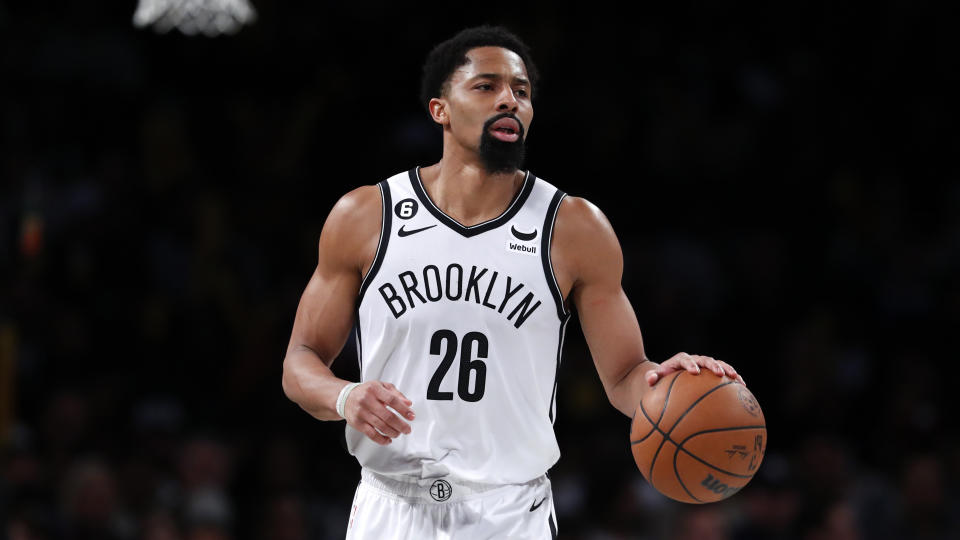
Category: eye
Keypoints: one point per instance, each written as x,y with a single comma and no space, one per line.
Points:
484,86
522,92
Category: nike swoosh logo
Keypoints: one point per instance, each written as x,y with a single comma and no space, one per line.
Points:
522,235
537,505
403,232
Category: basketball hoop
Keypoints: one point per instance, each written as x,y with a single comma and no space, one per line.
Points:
209,17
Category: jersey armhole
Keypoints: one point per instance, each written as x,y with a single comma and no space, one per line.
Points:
545,244
385,225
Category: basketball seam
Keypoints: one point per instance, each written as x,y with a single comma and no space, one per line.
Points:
666,436
712,466
694,404
676,455
657,427
666,398
677,474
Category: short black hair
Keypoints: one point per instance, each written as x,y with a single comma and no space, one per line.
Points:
446,57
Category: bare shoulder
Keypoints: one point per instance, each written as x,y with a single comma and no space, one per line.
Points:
357,203
580,214
352,229
581,226
584,242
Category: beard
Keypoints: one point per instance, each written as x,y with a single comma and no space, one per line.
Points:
500,156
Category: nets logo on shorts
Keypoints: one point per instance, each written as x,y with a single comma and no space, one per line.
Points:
441,490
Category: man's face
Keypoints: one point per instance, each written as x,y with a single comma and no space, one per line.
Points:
487,107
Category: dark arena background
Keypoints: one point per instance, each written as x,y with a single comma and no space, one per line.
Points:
783,179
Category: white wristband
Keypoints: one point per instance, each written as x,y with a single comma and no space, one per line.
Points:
342,398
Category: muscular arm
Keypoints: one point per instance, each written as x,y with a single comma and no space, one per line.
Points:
589,258
325,313
324,319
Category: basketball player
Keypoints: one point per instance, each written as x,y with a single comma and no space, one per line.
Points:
461,277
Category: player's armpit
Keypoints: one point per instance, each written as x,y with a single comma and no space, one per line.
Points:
589,256
325,314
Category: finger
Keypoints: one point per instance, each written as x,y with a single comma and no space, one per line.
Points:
708,363
712,364
395,399
399,402
374,436
390,398
381,425
390,386
390,418
674,363
727,369
689,363
386,392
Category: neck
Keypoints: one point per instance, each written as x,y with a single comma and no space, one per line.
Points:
465,191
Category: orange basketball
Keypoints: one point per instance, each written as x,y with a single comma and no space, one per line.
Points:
698,438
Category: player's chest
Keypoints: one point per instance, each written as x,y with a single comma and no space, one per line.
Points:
439,284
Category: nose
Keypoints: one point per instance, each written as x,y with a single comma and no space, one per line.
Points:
506,101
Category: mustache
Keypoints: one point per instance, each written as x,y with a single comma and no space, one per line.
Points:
490,122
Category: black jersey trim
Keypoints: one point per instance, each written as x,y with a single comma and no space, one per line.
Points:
528,181
545,243
359,343
385,229
556,373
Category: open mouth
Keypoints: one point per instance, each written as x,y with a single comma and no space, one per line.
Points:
506,129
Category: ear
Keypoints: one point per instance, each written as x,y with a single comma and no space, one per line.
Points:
438,111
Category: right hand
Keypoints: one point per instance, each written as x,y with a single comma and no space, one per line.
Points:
366,411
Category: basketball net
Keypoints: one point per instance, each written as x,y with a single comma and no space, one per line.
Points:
209,17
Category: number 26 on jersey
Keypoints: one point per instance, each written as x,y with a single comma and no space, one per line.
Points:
448,342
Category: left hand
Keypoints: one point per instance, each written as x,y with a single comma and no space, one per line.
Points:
692,363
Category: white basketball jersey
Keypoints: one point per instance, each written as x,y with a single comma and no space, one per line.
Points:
468,323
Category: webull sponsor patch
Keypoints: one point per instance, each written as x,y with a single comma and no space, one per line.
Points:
523,247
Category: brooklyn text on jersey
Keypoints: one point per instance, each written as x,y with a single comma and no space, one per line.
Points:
455,283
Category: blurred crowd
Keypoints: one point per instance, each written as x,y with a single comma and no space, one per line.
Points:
786,200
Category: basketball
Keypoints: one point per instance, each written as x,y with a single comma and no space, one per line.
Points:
698,438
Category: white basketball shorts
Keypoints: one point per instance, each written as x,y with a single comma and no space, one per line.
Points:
390,508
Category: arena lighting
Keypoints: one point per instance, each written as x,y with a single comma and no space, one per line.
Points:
208,17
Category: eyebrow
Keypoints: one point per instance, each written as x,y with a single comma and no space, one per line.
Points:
497,76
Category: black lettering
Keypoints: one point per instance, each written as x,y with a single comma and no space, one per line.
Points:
522,308
436,342
390,299
508,294
411,287
468,366
426,282
459,281
709,482
493,279
718,487
477,367
473,283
